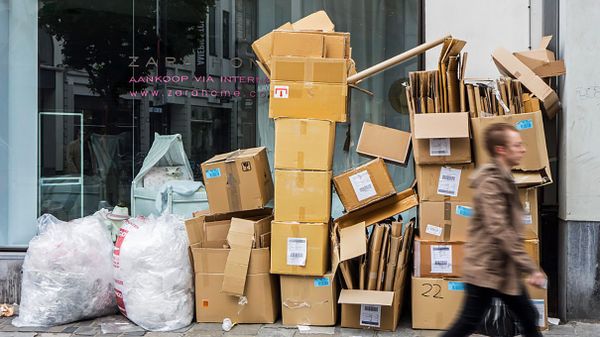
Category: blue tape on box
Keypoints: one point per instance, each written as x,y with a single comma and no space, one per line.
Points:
456,286
213,173
524,124
322,282
465,211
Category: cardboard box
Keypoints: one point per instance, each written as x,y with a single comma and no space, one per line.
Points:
307,69
541,60
510,65
438,258
363,185
370,309
207,236
316,21
238,180
444,221
302,196
444,183
383,142
534,169
299,248
323,101
529,200
442,138
532,247
304,144
436,302
539,299
309,300
303,44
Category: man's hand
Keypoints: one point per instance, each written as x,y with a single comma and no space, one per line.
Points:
537,279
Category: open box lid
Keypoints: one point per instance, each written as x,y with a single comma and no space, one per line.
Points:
510,65
240,239
541,60
441,125
374,297
316,21
380,210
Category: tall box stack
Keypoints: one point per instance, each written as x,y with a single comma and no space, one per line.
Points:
307,64
442,152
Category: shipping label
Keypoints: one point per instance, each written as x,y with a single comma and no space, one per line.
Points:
370,315
441,259
449,181
434,230
296,251
362,185
439,147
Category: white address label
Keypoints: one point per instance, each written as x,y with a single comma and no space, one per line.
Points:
433,230
449,181
439,147
362,185
370,315
296,251
441,259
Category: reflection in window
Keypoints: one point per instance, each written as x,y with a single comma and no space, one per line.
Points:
212,31
225,35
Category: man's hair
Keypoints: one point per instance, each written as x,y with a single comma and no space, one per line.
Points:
497,135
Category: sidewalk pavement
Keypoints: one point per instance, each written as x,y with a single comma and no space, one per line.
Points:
93,328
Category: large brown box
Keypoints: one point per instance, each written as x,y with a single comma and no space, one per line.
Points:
444,221
442,138
325,101
534,169
444,183
207,234
302,196
438,259
436,303
304,144
299,248
529,200
238,180
363,185
309,300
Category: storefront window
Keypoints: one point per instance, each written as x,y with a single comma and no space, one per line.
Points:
110,74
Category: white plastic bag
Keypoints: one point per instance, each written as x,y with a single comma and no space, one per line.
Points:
67,273
153,273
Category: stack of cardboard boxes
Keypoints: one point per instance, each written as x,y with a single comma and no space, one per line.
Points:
444,142
307,63
230,243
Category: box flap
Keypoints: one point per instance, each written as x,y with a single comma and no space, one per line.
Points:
263,47
240,239
375,297
353,241
532,178
380,210
509,65
383,142
442,125
545,42
315,21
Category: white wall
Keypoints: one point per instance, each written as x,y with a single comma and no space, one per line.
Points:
484,24
580,118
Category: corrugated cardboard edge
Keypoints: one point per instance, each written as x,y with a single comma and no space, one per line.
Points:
382,209
376,155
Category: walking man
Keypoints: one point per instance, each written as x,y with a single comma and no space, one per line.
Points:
495,260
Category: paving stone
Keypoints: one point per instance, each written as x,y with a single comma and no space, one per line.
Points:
557,330
87,331
276,332
53,334
244,330
17,334
348,332
428,333
70,329
163,334
207,327
134,333
9,328
184,329
201,333
400,331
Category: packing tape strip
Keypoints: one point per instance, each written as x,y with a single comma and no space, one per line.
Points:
300,159
301,213
300,179
447,211
234,199
447,231
303,127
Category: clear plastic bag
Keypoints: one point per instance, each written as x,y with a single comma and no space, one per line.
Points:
153,273
67,273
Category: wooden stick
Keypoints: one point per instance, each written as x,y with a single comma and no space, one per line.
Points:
379,67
